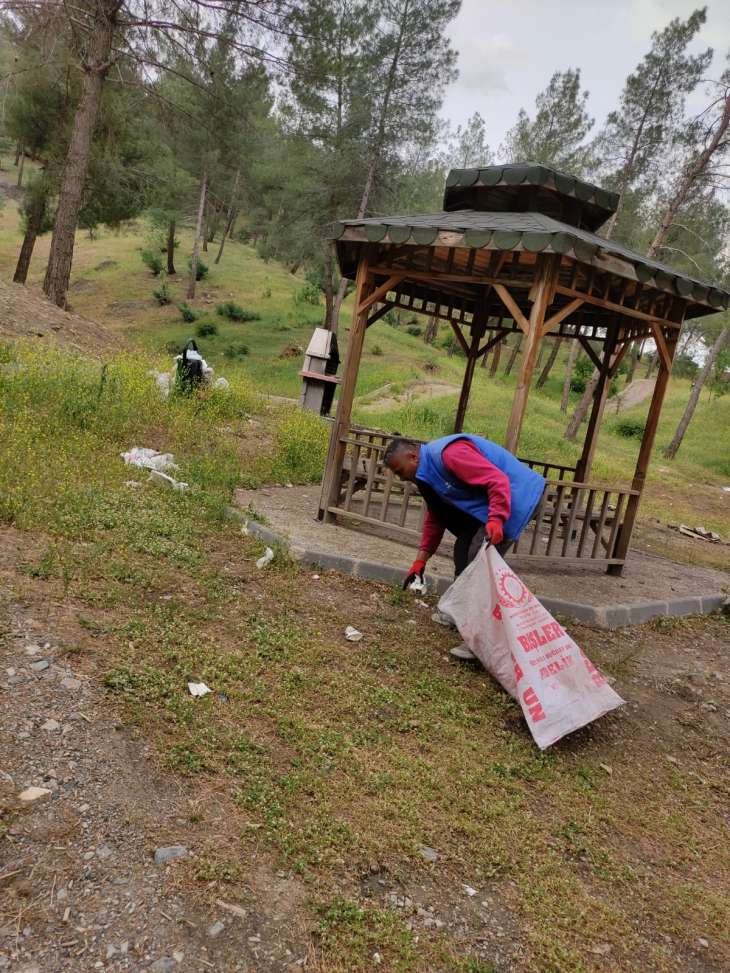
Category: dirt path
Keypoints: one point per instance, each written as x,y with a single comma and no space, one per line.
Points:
382,399
639,390
80,883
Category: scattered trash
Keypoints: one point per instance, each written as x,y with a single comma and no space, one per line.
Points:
244,528
352,634
423,604
428,853
133,483
33,793
216,929
726,489
266,559
469,890
606,769
526,650
315,577
163,479
603,950
703,943
198,688
673,760
149,459
377,958
235,909
698,533
224,698
663,469
420,587
221,383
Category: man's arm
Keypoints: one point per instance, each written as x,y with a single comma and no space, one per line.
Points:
462,459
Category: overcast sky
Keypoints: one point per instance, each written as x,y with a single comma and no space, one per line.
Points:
508,51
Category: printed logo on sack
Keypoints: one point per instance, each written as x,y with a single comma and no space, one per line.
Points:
511,592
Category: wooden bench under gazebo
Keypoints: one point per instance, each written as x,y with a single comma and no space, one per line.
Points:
515,250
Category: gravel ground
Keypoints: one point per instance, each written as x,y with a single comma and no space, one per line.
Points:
80,886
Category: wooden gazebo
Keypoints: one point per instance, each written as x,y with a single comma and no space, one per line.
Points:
515,249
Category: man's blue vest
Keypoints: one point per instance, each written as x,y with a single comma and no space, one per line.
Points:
526,485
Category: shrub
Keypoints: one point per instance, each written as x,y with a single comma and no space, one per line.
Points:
582,371
162,295
201,271
309,294
239,350
233,311
377,350
188,314
267,292
153,261
300,449
630,428
206,329
414,330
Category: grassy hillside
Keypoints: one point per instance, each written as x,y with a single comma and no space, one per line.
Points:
111,285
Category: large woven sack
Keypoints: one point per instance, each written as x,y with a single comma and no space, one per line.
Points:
526,650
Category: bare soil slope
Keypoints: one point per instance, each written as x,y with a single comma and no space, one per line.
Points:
25,312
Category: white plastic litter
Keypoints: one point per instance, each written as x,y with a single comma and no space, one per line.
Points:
726,489
352,634
469,890
198,688
526,650
420,587
162,479
266,559
164,381
221,383
149,459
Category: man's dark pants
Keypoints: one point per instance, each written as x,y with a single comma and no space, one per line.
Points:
468,531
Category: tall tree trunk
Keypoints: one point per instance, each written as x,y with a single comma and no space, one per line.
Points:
233,224
377,151
431,332
548,364
35,220
634,361
515,352
96,66
676,442
206,223
579,414
485,356
231,215
453,346
495,359
17,153
171,248
19,183
294,268
196,243
652,364
540,354
693,173
572,354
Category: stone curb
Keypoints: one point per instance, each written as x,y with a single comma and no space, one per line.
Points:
595,616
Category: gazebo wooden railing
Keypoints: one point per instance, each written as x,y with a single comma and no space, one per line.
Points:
574,522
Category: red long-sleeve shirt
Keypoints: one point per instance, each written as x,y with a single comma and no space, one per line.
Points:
462,459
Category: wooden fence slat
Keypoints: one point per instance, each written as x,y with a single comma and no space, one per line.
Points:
616,524
386,495
538,522
600,524
354,462
556,520
586,523
568,528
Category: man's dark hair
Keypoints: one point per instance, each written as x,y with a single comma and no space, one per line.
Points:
395,446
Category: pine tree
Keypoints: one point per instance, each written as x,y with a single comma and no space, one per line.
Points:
557,134
644,130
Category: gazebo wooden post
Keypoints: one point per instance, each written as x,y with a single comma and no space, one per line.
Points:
546,270
478,327
642,463
584,464
341,425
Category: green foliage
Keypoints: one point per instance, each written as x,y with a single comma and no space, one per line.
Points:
188,314
236,350
414,331
630,428
582,371
162,295
309,294
154,261
233,311
206,329
202,269
376,350
300,447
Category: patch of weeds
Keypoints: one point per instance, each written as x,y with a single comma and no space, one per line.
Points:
274,639
162,295
154,262
188,314
377,350
201,271
7,353
630,428
206,329
663,625
300,448
309,294
397,595
46,567
186,760
349,934
239,350
254,515
266,293
74,650
473,965
234,312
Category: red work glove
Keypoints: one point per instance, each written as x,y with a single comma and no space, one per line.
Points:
494,532
416,571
